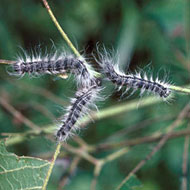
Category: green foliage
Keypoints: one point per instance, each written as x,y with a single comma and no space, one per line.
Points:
143,33
21,172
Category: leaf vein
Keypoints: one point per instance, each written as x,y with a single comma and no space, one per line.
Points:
22,168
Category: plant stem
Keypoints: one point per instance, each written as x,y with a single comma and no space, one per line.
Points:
57,151
3,61
121,108
64,35
180,89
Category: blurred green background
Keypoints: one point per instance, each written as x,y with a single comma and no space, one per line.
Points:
154,33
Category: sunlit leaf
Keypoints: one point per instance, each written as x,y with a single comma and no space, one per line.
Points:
21,173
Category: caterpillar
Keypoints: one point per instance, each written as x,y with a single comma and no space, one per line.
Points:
36,65
80,106
133,81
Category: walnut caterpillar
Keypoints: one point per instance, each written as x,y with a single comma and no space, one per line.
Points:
131,81
89,86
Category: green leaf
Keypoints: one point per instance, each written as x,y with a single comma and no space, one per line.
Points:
21,173
131,184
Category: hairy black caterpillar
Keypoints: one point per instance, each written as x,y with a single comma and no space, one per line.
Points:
133,81
54,65
80,106
90,87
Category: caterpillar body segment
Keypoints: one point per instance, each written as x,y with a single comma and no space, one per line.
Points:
80,106
134,81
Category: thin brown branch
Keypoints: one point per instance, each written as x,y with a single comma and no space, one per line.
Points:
80,152
101,162
82,143
140,140
160,144
97,170
18,114
39,91
141,125
43,110
70,172
64,35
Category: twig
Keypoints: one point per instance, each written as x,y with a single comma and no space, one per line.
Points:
185,164
116,154
18,114
42,109
39,91
72,169
101,162
3,61
64,35
51,166
82,143
157,147
19,138
81,152
97,169
140,125
180,89
140,140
